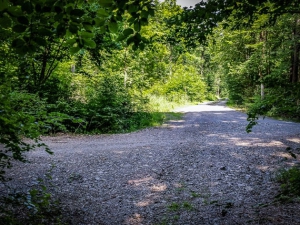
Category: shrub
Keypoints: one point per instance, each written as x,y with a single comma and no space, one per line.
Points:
290,181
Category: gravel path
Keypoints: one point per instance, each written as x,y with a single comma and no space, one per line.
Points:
203,169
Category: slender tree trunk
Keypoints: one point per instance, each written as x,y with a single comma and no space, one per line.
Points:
262,91
262,38
294,72
125,69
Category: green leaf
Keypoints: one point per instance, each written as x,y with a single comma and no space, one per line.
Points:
15,11
73,28
18,43
27,7
145,14
77,12
5,22
40,41
61,29
130,40
58,9
99,22
4,4
131,20
113,27
23,50
85,34
23,20
89,43
151,12
44,32
102,13
144,22
137,26
142,46
134,47
133,8
106,2
128,32
19,28
70,42
121,37
74,50
87,26
102,30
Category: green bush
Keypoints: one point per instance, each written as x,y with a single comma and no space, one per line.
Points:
290,181
18,114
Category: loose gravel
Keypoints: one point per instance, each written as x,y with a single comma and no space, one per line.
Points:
203,169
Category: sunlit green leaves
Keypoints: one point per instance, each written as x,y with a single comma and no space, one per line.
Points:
102,13
74,50
89,43
133,8
85,34
70,42
35,20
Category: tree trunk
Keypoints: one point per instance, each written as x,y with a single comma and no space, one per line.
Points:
294,72
262,38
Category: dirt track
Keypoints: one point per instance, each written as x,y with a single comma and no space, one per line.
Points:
203,169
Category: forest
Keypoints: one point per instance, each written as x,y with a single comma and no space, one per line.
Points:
109,66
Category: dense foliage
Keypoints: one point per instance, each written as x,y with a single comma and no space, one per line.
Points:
89,67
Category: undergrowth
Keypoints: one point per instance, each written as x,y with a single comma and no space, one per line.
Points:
290,183
34,206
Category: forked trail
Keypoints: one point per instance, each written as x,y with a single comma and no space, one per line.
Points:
203,169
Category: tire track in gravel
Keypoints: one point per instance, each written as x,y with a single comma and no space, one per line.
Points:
205,163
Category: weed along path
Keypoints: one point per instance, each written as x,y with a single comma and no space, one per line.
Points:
202,169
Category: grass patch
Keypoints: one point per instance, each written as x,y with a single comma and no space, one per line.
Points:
290,182
236,106
162,104
174,206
